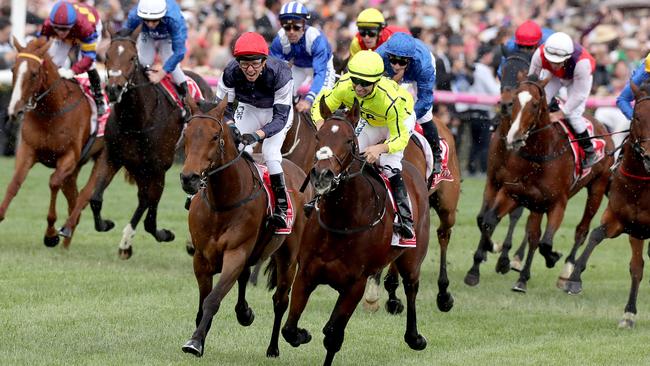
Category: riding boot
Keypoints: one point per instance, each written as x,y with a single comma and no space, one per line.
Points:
183,92
590,155
431,134
405,227
96,87
279,218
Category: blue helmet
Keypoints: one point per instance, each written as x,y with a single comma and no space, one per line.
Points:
293,11
401,45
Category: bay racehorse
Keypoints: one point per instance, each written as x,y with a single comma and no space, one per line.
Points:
540,177
55,131
628,210
228,222
141,136
350,233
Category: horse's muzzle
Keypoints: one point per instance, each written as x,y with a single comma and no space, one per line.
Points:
322,181
190,183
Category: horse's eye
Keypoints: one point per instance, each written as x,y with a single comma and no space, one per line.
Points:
216,136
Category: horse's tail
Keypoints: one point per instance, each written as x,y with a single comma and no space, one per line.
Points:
128,177
272,274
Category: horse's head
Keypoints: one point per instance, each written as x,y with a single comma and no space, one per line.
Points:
30,73
529,109
336,148
514,69
209,145
640,126
121,63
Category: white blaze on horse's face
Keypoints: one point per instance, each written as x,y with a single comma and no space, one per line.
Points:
17,94
524,97
335,129
324,153
120,50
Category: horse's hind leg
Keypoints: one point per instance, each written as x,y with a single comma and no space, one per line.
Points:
245,315
636,274
554,220
65,168
285,268
515,263
534,230
302,288
595,192
334,330
150,193
71,194
391,282
410,272
444,299
24,161
503,263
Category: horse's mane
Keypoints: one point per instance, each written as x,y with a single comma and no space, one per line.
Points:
645,86
515,62
533,78
122,33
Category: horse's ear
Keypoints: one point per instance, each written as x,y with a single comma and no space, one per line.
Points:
194,108
545,81
136,33
324,109
220,109
522,75
111,30
353,113
17,44
635,89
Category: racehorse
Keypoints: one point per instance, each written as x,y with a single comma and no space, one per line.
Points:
629,204
228,222
55,131
300,143
350,234
540,176
141,136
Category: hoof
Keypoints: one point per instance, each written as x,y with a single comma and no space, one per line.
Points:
272,352
245,317
627,322
503,265
125,253
193,347
573,287
445,302
51,241
561,283
471,279
520,287
189,247
164,235
515,264
370,307
104,225
550,256
394,306
417,343
65,232
296,337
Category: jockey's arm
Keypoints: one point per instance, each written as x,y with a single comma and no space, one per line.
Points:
179,37
580,90
276,49
399,134
426,83
133,20
625,99
88,48
535,63
333,99
223,91
282,104
321,55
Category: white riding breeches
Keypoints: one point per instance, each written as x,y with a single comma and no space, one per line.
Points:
249,119
574,106
302,74
147,48
60,50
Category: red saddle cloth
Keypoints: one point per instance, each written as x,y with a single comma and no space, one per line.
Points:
599,145
264,173
192,87
96,124
397,240
445,173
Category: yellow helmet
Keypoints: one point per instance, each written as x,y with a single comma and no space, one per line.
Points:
366,65
647,63
370,18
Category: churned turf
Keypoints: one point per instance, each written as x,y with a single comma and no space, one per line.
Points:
85,306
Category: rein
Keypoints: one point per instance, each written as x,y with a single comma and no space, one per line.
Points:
636,146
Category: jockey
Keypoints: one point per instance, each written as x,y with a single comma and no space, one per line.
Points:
572,66
264,88
528,36
307,51
373,31
407,59
625,99
163,30
71,24
387,120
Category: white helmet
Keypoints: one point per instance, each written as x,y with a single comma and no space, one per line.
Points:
152,9
558,47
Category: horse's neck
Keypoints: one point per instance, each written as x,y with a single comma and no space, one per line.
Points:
59,92
545,138
232,184
140,103
358,191
631,160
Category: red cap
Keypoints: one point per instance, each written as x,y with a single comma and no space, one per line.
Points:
250,44
528,34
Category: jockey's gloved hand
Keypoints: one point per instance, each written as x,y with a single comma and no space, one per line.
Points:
250,138
66,73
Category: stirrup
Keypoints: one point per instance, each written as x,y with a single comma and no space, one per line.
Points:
280,220
404,230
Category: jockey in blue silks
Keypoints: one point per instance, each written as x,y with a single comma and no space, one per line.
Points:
625,99
407,60
307,51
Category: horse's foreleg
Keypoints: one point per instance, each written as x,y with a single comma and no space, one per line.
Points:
149,192
596,191
25,159
515,263
554,220
71,194
447,220
245,314
285,269
503,263
65,168
372,293
411,285
203,270
636,275
334,330
234,262
302,288
533,231
609,228
391,282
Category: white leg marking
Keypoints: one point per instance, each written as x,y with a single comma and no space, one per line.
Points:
524,98
17,93
127,237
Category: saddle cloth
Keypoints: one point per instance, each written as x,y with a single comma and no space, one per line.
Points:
599,145
445,174
264,173
396,240
192,87
95,124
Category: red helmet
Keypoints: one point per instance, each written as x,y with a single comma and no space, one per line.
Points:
528,33
251,44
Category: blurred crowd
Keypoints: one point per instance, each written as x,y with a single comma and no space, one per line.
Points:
460,33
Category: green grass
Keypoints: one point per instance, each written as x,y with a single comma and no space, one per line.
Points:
86,306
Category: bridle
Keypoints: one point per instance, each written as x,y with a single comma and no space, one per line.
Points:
135,63
636,144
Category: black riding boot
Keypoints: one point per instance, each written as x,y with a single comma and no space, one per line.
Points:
183,92
96,87
431,134
405,226
279,218
590,155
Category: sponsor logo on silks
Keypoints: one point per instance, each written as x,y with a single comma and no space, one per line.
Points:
367,116
362,123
